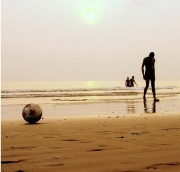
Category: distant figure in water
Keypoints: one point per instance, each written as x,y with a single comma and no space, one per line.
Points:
149,74
132,81
127,83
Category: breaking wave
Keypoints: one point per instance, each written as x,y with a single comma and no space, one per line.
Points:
76,92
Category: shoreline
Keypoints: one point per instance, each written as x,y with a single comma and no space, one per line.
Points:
96,109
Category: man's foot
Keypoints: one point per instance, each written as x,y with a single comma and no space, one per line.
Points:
156,100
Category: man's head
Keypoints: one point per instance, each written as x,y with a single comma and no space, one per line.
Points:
151,54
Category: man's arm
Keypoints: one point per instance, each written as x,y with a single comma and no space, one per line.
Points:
154,65
135,82
142,69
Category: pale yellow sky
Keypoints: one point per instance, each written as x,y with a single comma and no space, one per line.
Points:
88,39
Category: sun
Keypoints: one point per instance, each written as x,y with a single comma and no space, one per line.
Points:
90,11
90,17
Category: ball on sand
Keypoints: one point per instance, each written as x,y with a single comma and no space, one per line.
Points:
32,113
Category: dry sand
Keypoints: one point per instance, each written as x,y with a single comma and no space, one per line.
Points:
141,143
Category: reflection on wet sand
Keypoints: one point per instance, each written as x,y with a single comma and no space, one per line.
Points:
147,109
130,108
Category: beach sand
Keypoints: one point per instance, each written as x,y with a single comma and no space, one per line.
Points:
130,143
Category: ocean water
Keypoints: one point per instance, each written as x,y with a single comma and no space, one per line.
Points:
92,97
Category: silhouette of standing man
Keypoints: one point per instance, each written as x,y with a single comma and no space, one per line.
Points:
149,74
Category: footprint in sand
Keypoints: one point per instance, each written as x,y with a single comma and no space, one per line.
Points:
55,165
11,162
96,150
70,140
155,166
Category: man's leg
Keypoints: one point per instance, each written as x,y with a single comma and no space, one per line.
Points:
145,89
153,88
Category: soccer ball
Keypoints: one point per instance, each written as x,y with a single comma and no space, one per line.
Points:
32,113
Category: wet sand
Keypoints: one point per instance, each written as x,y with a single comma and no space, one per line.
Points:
114,143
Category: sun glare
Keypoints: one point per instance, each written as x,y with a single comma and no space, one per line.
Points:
90,83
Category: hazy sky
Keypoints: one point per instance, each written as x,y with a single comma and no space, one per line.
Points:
89,39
